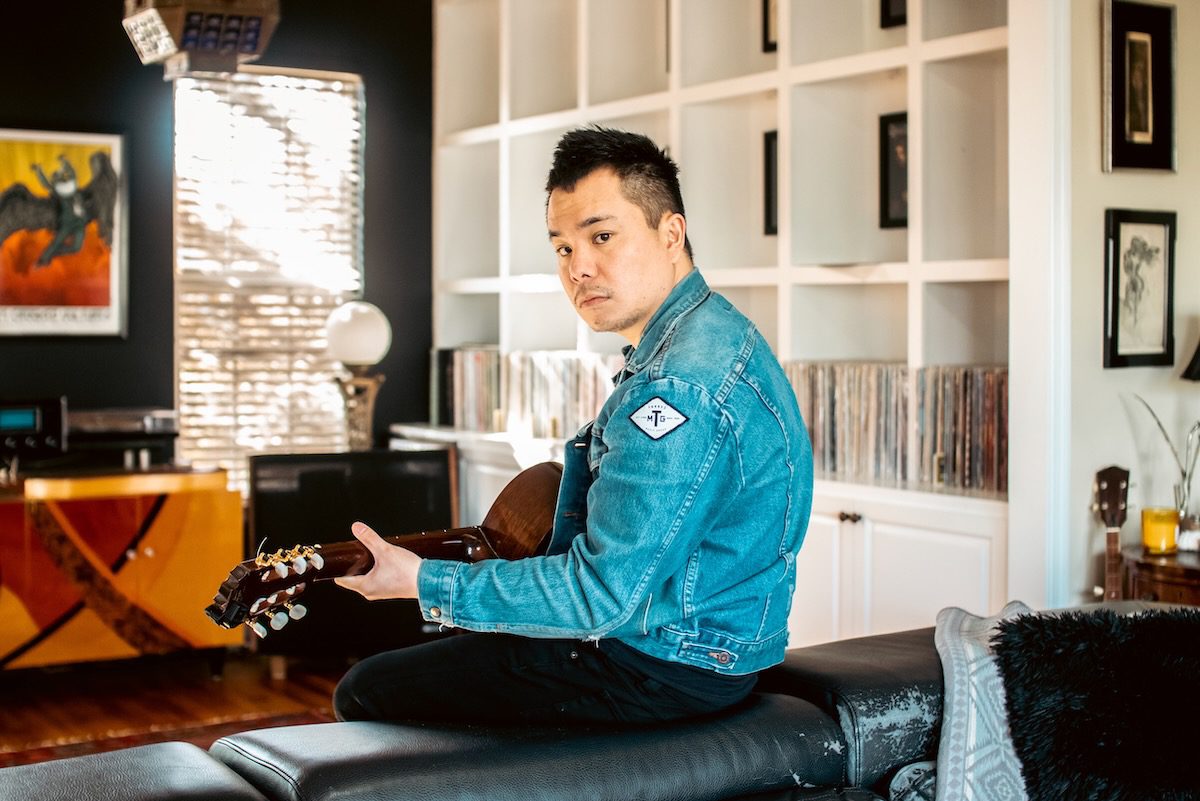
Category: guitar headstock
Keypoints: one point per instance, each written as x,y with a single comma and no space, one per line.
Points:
1112,491
262,592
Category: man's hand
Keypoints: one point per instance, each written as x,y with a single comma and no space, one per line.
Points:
394,574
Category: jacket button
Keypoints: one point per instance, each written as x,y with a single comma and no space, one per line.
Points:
435,611
723,658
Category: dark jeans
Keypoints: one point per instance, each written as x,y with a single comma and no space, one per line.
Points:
501,678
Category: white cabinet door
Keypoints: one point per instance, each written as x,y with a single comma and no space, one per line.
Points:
909,574
877,560
815,615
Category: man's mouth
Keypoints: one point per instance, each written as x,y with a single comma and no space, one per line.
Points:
587,299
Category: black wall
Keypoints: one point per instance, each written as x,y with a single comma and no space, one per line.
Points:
74,69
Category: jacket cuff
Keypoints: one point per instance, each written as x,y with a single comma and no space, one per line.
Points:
435,590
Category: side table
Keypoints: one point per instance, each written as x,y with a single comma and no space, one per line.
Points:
1168,578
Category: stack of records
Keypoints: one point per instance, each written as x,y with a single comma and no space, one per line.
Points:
962,427
857,417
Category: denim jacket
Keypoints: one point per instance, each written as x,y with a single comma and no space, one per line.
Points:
681,510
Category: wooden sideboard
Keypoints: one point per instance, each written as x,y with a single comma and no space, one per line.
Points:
114,565
1168,578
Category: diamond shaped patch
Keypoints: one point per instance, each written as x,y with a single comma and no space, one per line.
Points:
657,418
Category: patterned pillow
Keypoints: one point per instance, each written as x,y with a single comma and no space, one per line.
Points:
975,755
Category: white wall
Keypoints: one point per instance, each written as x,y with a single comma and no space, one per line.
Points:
1108,426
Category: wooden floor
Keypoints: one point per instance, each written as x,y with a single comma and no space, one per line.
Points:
45,708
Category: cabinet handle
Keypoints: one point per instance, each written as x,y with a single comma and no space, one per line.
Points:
849,517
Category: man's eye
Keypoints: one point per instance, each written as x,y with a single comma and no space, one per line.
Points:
603,236
563,250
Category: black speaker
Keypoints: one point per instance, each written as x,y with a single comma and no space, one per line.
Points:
314,498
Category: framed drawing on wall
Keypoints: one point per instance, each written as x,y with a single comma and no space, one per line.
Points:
62,234
1139,85
893,170
770,26
771,183
1139,272
893,13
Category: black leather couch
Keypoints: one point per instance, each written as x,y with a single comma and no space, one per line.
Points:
835,721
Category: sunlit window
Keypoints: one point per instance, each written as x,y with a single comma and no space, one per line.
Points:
268,241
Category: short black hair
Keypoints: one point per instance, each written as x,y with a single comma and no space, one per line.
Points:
649,177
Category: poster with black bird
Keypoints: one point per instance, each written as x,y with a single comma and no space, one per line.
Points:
62,243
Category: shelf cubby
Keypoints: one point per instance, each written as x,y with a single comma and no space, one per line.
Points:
951,17
849,323
965,186
530,157
738,24
542,76
965,323
467,65
462,319
723,180
468,181
835,170
821,30
627,49
540,321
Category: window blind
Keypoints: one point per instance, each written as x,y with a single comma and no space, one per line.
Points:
268,241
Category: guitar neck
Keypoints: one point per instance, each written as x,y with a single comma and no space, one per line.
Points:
1113,590
351,558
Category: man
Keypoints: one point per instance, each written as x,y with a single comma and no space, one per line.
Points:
669,575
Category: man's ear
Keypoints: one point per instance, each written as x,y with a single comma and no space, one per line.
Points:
672,231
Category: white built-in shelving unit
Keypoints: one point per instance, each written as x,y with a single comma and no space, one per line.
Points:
512,75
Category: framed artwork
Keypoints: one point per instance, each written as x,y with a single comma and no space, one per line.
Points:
893,170
770,25
1139,85
62,234
893,13
771,183
1139,270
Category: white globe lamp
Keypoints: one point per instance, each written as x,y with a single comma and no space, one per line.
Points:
358,336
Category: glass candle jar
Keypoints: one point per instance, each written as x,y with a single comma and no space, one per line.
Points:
1160,528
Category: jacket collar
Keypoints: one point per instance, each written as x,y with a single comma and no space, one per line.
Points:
689,293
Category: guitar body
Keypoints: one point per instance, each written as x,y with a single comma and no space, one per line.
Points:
268,587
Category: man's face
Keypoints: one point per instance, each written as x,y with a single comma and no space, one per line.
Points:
615,269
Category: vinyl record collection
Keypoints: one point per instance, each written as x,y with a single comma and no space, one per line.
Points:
857,418
962,427
857,413
534,394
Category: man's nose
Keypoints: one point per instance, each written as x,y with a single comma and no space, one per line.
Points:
582,266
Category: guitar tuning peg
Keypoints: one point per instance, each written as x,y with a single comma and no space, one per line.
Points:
1103,485
257,606
280,569
296,611
257,628
279,620
300,564
316,560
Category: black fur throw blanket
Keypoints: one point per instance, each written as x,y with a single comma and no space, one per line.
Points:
1104,706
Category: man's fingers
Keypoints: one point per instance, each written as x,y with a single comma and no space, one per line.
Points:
367,536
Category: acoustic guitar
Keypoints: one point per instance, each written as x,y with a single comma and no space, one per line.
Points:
268,587
1111,490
